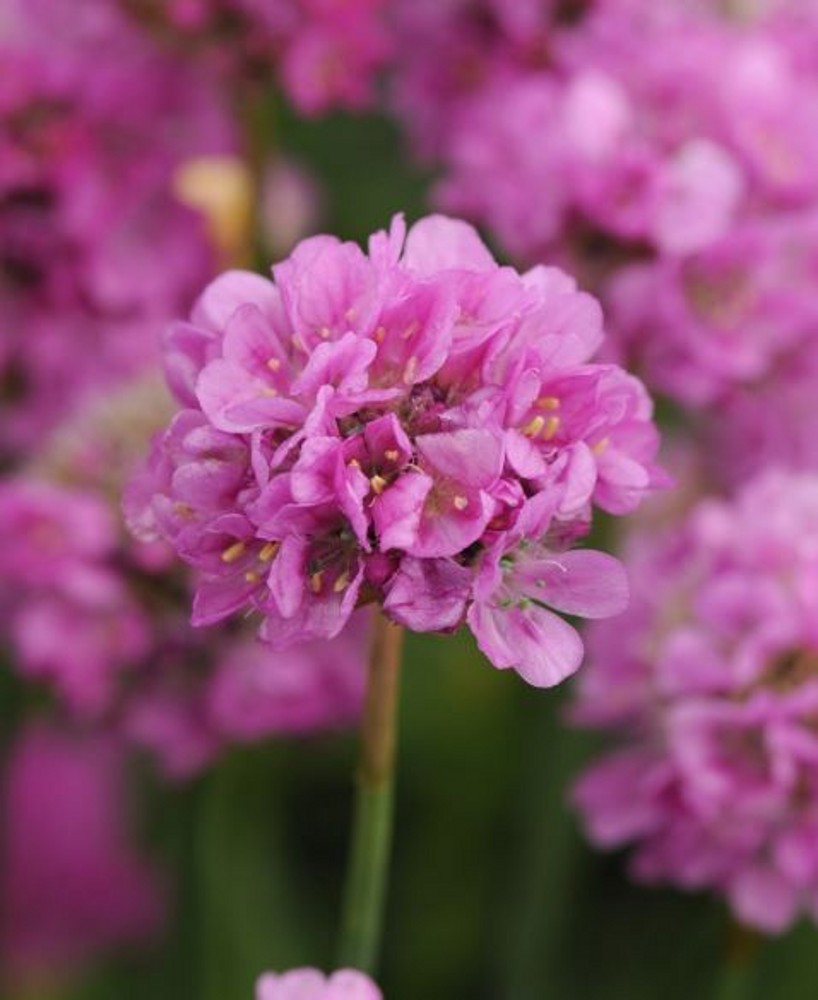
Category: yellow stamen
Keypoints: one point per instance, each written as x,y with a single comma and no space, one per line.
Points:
601,446
274,364
251,576
548,403
377,483
325,332
269,391
461,503
380,334
551,428
316,581
183,509
410,370
268,551
392,455
410,330
354,463
341,583
533,428
233,552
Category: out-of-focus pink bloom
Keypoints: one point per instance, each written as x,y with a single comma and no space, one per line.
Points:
666,151
310,984
395,427
325,54
73,885
88,277
709,686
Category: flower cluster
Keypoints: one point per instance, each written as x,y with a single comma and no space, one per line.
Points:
709,686
418,427
310,984
325,54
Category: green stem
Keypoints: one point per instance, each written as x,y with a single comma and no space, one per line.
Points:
737,977
370,849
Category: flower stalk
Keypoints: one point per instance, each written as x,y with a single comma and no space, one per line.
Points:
370,847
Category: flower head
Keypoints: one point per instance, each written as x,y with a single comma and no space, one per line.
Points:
401,427
709,685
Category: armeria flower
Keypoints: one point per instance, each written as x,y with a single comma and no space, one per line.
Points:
418,427
73,883
709,688
310,984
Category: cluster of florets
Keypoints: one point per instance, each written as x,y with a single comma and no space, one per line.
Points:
709,686
417,427
324,54
668,151
87,276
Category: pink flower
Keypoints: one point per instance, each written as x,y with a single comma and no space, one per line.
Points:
708,686
73,884
377,427
310,984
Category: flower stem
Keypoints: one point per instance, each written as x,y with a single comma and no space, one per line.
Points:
736,979
370,849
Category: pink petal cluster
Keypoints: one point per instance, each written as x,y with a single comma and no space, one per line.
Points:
667,150
416,426
87,276
310,984
73,884
325,54
708,687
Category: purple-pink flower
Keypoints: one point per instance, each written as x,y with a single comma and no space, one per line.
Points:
310,984
708,686
416,426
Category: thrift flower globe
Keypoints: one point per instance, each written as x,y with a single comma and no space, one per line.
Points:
310,984
709,686
416,427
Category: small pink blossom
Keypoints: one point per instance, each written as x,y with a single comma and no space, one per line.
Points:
310,984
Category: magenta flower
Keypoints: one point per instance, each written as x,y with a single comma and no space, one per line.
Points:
417,427
310,984
709,687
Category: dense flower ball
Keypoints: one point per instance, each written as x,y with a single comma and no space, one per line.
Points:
709,687
418,427
310,984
